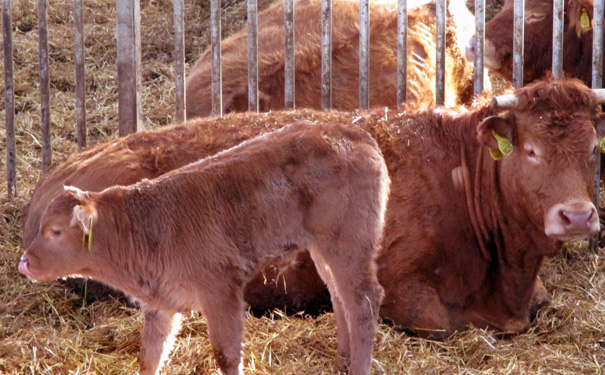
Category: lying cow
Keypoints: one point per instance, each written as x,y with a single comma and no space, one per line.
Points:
465,235
191,239
345,58
577,40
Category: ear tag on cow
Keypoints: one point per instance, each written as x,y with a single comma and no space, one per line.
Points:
602,145
584,19
495,154
504,144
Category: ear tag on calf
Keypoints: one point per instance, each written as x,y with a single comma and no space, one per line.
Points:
584,19
89,236
602,145
504,144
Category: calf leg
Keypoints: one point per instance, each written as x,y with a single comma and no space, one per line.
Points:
157,339
357,295
224,314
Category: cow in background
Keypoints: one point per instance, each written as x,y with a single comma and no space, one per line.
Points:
577,40
345,58
465,235
192,238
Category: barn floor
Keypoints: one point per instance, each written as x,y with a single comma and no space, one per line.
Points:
45,329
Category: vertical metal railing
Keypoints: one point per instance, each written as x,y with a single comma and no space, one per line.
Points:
252,56
289,55
402,51
215,46
80,72
9,99
441,10
597,82
518,37
128,39
326,55
179,60
557,38
364,54
44,82
479,46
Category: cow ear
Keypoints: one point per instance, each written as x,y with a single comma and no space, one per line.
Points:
580,17
600,128
495,133
84,212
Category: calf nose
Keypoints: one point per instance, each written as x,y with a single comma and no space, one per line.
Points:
469,52
570,221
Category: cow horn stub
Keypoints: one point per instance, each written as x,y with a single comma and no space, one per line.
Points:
507,101
600,95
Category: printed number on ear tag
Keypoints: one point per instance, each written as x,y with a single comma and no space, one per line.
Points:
602,145
584,19
504,144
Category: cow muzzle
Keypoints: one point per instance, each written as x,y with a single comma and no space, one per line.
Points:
566,222
490,56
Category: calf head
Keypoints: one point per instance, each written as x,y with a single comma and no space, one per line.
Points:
548,178
63,244
537,51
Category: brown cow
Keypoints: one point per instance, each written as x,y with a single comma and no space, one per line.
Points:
345,58
465,235
577,40
191,239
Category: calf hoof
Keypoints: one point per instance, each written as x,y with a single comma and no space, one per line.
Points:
539,299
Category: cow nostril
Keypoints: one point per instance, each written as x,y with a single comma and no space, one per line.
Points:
565,220
470,50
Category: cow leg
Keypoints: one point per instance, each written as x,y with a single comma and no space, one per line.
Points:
157,339
356,300
540,298
224,314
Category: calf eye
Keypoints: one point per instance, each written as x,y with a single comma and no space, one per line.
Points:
55,232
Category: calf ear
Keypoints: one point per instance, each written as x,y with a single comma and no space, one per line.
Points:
493,131
84,212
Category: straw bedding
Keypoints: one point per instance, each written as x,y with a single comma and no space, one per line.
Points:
45,329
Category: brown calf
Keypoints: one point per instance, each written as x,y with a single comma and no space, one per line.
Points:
191,239
345,58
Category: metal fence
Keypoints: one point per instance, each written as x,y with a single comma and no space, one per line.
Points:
129,62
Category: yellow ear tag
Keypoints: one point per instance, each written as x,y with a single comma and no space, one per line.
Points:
504,144
602,145
584,19
495,154
89,236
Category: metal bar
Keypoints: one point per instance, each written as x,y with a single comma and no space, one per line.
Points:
597,82
44,82
440,53
215,46
9,97
252,56
558,7
479,46
364,54
179,60
289,63
518,35
326,54
402,51
80,72
128,34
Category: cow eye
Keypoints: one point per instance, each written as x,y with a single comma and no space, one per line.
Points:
55,232
534,17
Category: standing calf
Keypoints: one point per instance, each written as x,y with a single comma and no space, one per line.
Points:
192,238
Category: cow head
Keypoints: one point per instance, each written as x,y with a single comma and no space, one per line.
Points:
548,177
63,244
498,48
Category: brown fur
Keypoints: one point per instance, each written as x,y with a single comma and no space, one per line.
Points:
453,254
192,238
577,43
345,59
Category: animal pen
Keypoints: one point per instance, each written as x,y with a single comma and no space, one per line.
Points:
129,82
